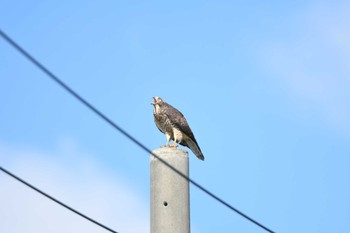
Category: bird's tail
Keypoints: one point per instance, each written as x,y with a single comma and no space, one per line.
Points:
195,148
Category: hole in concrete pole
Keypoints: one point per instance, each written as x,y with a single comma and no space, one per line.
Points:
165,203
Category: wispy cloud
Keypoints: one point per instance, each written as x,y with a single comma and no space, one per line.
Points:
75,180
314,63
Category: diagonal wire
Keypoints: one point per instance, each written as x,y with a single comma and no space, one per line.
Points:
55,200
122,131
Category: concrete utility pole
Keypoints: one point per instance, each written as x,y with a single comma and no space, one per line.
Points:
170,199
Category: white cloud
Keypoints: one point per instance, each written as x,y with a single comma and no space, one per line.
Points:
314,64
75,180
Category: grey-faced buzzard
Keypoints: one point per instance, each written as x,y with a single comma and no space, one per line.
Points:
173,124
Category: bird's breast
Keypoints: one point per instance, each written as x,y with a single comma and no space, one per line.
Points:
163,123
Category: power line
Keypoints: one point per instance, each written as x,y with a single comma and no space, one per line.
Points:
55,200
122,131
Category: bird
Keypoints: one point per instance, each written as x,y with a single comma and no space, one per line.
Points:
173,124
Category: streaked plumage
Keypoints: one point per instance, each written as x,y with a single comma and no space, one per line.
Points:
173,124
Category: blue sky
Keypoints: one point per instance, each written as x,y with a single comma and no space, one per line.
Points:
264,86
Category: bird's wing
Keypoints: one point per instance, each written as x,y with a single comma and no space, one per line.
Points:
179,121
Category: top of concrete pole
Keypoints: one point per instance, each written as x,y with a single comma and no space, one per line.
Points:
169,151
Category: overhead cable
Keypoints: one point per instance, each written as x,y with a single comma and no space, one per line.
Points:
56,200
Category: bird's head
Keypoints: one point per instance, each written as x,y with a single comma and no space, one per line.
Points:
157,102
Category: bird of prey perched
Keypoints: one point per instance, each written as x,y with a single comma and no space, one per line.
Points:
173,124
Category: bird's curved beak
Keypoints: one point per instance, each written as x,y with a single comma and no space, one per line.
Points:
154,101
